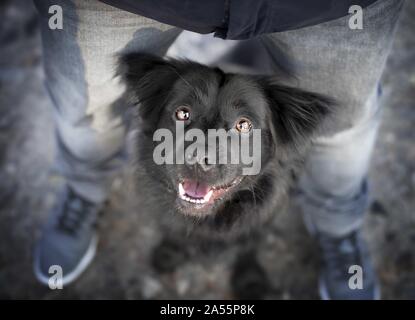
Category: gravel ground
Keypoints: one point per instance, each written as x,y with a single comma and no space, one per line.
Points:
134,259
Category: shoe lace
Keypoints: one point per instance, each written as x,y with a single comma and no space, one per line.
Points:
340,253
74,213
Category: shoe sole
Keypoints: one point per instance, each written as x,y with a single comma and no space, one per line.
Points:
79,269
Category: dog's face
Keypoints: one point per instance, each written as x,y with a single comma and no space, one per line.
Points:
180,94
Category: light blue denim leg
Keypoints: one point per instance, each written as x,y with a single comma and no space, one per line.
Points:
345,64
79,66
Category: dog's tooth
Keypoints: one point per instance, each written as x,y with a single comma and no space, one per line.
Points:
181,189
206,198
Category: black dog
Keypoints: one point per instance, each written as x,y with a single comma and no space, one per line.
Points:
219,196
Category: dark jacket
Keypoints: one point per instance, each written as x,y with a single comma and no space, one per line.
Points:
239,19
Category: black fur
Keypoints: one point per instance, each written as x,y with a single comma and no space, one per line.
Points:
289,119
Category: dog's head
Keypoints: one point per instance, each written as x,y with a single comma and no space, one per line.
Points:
176,95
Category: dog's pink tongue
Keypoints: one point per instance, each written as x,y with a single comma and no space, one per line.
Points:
195,189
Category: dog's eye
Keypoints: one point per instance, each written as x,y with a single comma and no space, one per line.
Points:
243,125
182,113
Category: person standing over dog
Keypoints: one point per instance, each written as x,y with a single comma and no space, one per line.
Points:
331,54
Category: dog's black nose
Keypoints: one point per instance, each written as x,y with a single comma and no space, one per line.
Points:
203,160
205,164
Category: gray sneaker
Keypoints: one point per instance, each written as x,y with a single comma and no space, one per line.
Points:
69,239
338,254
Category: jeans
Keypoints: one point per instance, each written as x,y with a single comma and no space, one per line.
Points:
330,58
347,65
79,62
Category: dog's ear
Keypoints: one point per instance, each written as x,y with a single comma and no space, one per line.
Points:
298,115
146,76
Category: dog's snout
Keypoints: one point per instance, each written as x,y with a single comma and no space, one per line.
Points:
203,160
205,163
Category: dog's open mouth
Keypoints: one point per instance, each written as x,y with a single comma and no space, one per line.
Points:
201,194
